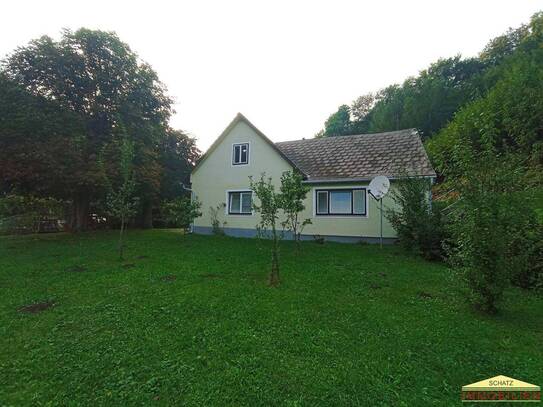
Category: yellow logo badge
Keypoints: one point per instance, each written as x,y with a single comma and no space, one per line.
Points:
501,388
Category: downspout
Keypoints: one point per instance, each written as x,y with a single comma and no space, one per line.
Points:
192,196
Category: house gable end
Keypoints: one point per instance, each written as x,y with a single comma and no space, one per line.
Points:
241,120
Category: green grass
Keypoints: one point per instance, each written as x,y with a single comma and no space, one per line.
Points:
350,325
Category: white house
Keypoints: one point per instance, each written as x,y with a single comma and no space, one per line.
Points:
338,170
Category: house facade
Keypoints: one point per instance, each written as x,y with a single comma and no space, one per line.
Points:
337,170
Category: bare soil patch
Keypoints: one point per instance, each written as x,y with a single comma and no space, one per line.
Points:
425,295
210,275
169,277
36,307
77,269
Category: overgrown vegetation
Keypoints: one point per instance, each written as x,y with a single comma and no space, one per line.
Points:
418,223
29,214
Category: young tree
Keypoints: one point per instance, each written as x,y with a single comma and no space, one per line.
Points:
181,211
270,203
120,200
293,194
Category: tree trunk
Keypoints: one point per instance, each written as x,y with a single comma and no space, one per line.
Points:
80,218
147,216
273,280
121,246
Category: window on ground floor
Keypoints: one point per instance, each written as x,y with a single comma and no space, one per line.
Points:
239,203
348,201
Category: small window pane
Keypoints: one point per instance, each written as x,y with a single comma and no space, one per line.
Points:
340,202
244,153
322,202
246,202
241,154
359,202
234,202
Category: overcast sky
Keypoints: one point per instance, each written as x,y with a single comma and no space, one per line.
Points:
286,65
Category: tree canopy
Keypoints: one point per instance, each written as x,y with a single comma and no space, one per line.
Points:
431,100
67,104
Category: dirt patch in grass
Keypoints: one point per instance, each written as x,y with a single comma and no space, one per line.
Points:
169,277
36,307
128,266
211,275
425,295
142,257
77,269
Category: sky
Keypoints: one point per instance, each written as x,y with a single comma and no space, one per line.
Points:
286,65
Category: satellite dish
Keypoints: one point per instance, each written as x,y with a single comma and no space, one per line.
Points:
379,186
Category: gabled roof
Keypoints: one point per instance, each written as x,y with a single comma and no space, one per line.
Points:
360,157
347,158
241,118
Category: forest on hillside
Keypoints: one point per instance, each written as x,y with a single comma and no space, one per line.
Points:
493,100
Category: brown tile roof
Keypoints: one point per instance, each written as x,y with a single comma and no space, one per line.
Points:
360,156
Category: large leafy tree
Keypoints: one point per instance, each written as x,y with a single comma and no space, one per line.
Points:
41,145
338,124
178,155
98,78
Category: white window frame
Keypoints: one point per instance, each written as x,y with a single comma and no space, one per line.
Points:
338,216
234,145
227,208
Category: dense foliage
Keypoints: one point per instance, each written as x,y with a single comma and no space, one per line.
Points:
430,100
492,227
418,223
65,104
29,214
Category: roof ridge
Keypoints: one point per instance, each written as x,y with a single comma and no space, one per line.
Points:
410,129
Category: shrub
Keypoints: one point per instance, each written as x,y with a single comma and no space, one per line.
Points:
419,226
181,212
526,257
492,229
29,214
216,226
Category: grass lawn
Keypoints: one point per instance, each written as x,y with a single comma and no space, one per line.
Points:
190,320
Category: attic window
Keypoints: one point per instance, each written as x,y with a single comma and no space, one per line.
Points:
240,154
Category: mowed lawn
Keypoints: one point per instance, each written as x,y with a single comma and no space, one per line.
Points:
189,319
